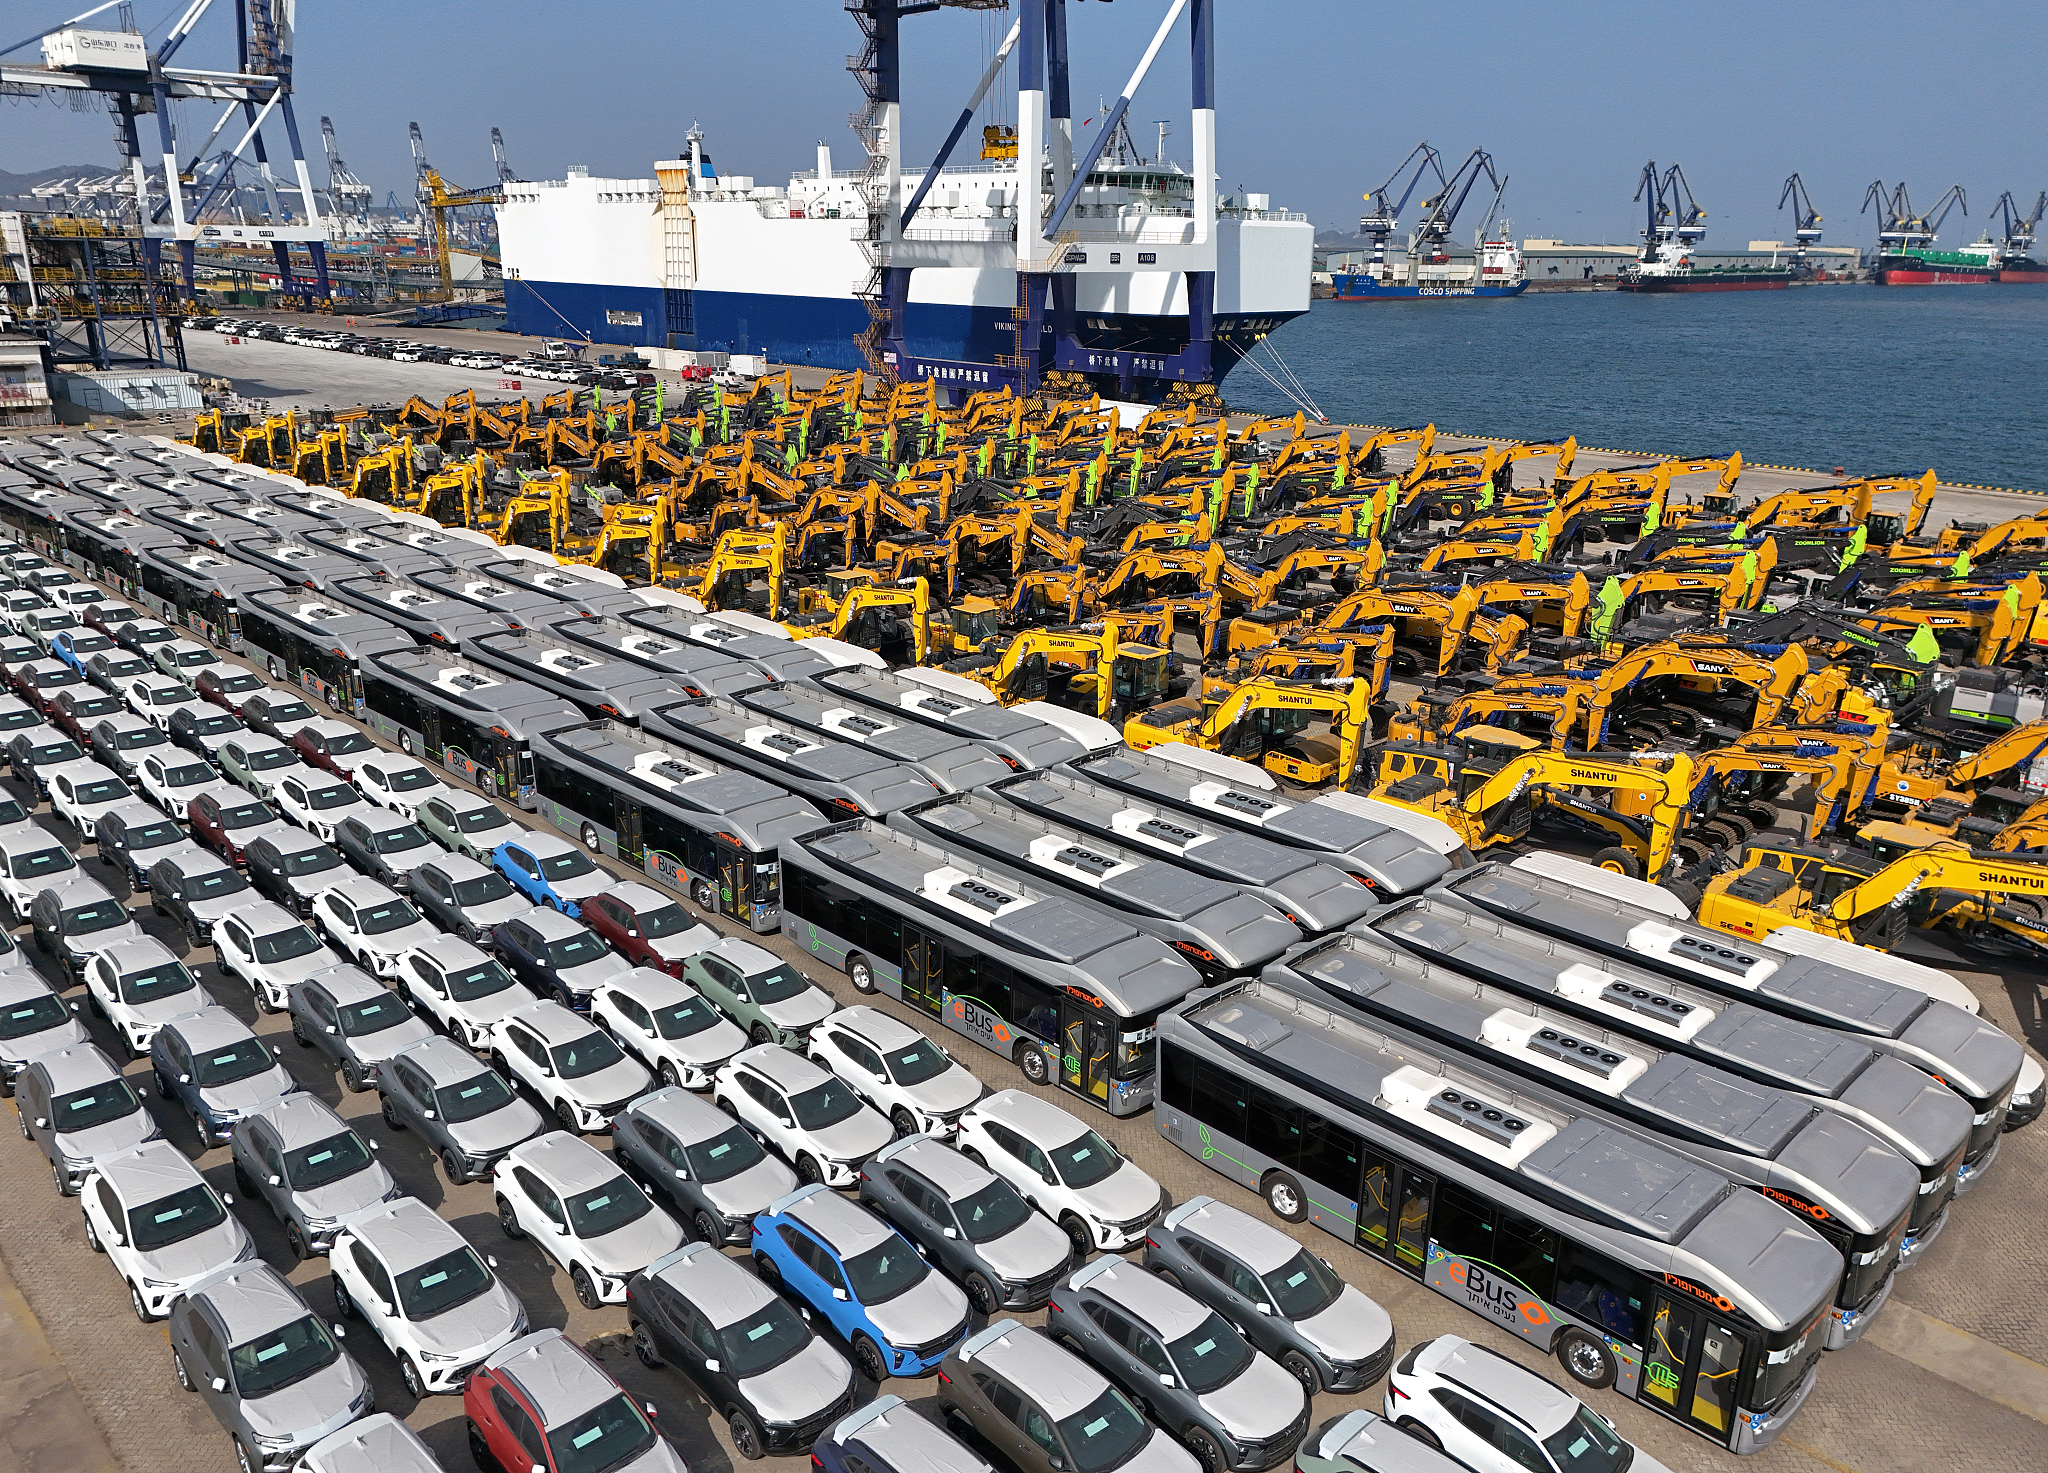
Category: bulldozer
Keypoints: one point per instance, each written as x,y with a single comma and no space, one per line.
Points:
1271,722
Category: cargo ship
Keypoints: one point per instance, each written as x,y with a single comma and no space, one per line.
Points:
1974,265
1677,273
1672,232
1496,271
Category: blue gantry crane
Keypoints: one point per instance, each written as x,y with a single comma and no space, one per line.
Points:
1805,219
1383,215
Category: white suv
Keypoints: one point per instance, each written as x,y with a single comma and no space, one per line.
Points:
895,1068
138,986
568,1062
813,1118
667,1025
1495,1417
583,1212
464,990
370,922
1062,1168
269,948
160,1225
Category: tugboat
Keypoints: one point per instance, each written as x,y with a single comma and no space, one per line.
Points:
1672,232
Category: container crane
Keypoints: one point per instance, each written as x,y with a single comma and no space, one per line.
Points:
1805,218
437,199
1433,234
2016,231
505,174
349,194
1384,215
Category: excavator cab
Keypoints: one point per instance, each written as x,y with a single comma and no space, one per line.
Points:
1138,679
973,621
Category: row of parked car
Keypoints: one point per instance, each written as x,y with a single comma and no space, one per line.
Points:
738,1096
401,350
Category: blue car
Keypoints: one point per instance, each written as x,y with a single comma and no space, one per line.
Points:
886,1436
898,1316
208,1063
75,646
550,870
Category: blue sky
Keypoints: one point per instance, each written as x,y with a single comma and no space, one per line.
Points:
1319,100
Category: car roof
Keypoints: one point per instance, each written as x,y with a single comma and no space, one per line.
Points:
551,1020
847,1227
405,1233
1061,1384
74,1067
300,1119
84,887
125,720
24,838
1262,1246
328,726
458,866
637,897
197,862
250,1300
568,1161
262,916
1167,1310
256,741
786,1067
901,1439
452,951
716,1285
349,984
945,1168
320,780
536,842
552,925
378,1443
1373,1443
146,1172
289,839
876,1026
462,800
361,890
128,955
1045,1122
1539,1404
444,1061
557,1378
690,1118
745,955
395,760
209,1027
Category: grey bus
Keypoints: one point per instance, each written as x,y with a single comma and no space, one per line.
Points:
39,515
777,659
369,553
1854,1189
580,596
598,686
698,828
293,561
474,722
953,763
107,547
1924,1121
522,608
318,646
1067,991
1024,741
688,664
1970,1056
1221,930
427,617
838,777
201,590
1638,1269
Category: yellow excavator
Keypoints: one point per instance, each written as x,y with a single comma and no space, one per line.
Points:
741,553
1271,722
889,618
1085,666
1914,778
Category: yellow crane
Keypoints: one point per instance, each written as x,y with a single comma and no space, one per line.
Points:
437,199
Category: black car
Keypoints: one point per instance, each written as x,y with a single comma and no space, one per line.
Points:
385,848
195,889
74,918
109,669
277,713
37,748
139,636
118,741
135,836
291,867
202,729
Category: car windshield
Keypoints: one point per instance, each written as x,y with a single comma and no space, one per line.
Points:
1105,1434
171,695
1085,1160
106,790
918,1062
1302,1286
32,1015
246,815
392,915
142,736
567,866
348,741
474,1097
480,820
44,861
585,1056
234,685
11,811
97,916
411,779
186,776
779,985
220,725
886,1270
576,950
9,720
824,1104
437,1286
486,979
285,711
340,795
991,1212
151,835
314,861
663,920
609,1434
175,1218
373,1015
1587,1444
482,890
238,1060
94,706
282,946
325,1162
606,1210
274,1361
763,1340
214,886
156,635
83,1108
682,1019
165,980
59,751
1210,1356
122,668
398,840
726,1154
90,644
269,759
198,657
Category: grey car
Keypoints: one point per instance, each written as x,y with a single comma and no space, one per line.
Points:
136,835
210,1062
257,761
1180,1361
776,1383
385,847
302,1161
460,895
77,1110
355,1020
267,1367
77,917
112,670
1365,1442
699,1163
119,741
196,890
291,866
1289,1302
969,1222
38,748
461,1109
468,823
33,1020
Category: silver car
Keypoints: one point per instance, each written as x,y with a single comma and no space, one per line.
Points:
268,1369
77,1109
462,1110
969,1222
271,950
33,1020
465,897
302,1161
378,1443
699,1163
355,1020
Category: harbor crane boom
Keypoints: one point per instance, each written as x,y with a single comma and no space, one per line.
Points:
1434,230
1899,228
1383,217
1805,218
505,174
350,195
2015,229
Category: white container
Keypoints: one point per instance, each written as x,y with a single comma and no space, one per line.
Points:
129,391
100,51
749,365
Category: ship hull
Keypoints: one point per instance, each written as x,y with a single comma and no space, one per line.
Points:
1348,288
2022,272
1749,281
1912,270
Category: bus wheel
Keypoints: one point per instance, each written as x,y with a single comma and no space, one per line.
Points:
1031,1062
1585,1359
590,839
276,670
861,974
705,896
1284,1195
405,742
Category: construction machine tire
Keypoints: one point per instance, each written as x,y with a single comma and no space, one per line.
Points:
1619,861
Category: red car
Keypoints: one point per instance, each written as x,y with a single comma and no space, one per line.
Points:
332,746
110,616
225,818
227,686
648,928
77,708
542,1403
40,680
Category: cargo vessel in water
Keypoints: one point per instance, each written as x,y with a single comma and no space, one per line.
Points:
1905,243
1671,236
1494,269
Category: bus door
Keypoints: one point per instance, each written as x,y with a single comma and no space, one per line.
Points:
1394,1204
1086,1049
924,968
1693,1365
732,883
626,824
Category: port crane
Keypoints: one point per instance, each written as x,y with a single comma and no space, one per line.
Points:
1805,218
1672,216
348,194
1899,227
437,199
1384,216
505,174
2015,229
1433,233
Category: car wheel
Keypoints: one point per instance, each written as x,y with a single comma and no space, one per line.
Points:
409,1376
344,1302
670,1075
206,1141
981,1294
507,1221
566,1114
140,1305
746,1436
452,1168
262,1000
1284,1195
590,839
807,1170
766,1271
1303,1370
868,1357
299,1033
705,896
1207,1452
192,941
57,1178
759,1033
295,1240
644,1347
480,1452
22,1121
586,1291
92,1237
185,1381
1031,1062
1585,1359
352,1077
1077,1234
391,1115
902,1122
1419,1432
861,973
708,1228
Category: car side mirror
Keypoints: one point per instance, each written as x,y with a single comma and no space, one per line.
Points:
74,1007
785,1121
227,1200
1056,1463
632,934
711,1366
220,1383
840,1294
1263,1308
1048,1178
1164,1379
42,1123
376,1145
184,1079
332,1029
426,1114
276,1181
683,1173
951,1232
340,1332
537,1468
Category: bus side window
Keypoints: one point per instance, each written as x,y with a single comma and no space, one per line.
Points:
393,702
1602,1292
1035,1008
